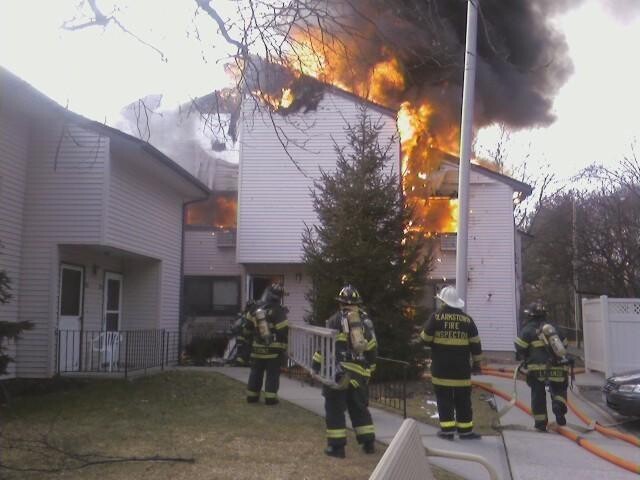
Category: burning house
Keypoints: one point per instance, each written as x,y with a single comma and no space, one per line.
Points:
406,67
274,206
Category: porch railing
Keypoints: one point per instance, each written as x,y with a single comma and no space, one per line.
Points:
305,340
388,386
121,352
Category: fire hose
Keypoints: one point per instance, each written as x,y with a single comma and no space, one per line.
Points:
565,432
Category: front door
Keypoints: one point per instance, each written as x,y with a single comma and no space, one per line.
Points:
257,284
112,317
70,316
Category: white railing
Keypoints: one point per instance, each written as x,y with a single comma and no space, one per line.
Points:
406,457
306,340
611,328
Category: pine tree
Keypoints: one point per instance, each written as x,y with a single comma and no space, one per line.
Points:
8,330
361,238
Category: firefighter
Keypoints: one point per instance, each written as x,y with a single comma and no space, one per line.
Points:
269,329
455,347
355,354
546,364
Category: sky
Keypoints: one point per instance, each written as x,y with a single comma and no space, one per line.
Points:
97,71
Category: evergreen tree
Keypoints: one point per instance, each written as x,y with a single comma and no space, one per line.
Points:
362,238
8,330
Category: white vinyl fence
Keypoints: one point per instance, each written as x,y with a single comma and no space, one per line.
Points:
305,340
611,332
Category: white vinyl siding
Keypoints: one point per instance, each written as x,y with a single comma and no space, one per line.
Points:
491,290
65,177
202,256
274,196
491,293
144,216
13,173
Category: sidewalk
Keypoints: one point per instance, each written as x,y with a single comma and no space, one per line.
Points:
522,455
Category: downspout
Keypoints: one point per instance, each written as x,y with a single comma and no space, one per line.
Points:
181,293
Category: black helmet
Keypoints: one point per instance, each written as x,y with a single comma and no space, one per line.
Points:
349,296
535,310
274,293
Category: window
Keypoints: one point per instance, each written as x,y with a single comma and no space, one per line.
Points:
211,296
218,211
448,243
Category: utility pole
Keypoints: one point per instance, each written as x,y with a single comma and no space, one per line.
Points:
466,132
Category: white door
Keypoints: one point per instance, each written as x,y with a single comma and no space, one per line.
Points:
70,316
112,302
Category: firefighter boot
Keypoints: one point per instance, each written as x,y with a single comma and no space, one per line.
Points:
445,435
369,447
561,420
469,436
334,451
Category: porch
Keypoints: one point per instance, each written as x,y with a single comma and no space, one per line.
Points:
118,353
109,313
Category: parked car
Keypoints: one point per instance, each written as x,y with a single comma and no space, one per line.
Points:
622,393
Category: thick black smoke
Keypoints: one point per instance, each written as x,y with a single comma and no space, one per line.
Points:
522,59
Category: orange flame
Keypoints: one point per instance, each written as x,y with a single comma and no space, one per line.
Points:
384,83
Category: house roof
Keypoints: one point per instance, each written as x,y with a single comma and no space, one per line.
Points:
517,185
9,80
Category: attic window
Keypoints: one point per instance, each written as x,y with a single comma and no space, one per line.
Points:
219,211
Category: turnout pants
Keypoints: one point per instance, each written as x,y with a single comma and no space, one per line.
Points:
558,391
258,368
355,399
454,408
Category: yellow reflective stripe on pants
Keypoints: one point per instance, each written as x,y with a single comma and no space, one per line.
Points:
270,395
451,382
464,424
264,356
337,433
364,429
252,394
477,358
560,399
450,424
540,417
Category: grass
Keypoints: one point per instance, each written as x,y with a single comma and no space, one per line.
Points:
176,414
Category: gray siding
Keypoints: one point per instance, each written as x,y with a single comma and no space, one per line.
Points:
13,173
202,256
141,295
274,203
144,216
65,177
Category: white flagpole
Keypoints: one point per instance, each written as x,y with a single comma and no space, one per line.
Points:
466,133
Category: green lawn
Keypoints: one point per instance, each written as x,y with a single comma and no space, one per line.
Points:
176,414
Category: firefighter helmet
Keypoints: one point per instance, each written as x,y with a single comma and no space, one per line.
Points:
349,296
274,292
535,310
449,295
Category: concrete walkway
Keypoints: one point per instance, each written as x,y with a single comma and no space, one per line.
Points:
519,454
